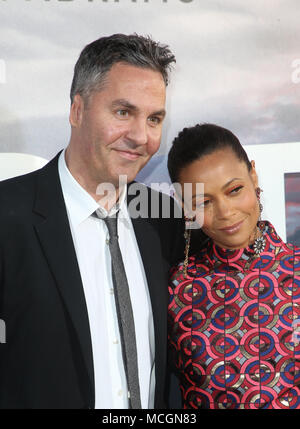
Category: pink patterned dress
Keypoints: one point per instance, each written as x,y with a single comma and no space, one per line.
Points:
234,326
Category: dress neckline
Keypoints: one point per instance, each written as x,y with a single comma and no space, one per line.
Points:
238,258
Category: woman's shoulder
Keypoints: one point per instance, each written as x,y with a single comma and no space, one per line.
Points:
290,250
293,251
279,246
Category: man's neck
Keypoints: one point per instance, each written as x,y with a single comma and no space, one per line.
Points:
105,194
109,200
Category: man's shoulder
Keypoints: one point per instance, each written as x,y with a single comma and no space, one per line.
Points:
16,187
15,182
22,188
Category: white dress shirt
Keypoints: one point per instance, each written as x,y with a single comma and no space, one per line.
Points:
90,236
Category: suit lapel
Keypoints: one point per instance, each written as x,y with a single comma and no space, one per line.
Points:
57,243
149,246
150,249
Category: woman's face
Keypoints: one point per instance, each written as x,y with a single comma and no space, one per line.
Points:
228,207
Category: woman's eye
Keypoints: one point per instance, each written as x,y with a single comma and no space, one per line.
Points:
235,190
202,204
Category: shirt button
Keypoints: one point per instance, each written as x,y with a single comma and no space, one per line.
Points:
115,342
107,241
120,392
111,291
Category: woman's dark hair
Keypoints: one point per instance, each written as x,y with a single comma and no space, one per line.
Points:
193,143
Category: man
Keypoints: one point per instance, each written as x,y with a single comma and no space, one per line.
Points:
66,343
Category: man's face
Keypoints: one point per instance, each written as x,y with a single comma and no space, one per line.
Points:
120,127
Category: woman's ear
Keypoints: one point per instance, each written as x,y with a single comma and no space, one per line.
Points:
253,174
178,196
183,199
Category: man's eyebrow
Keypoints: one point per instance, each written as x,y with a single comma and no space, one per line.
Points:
161,112
126,104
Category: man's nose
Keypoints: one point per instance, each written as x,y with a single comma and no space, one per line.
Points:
138,132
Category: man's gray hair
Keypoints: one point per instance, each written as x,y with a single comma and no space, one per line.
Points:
97,58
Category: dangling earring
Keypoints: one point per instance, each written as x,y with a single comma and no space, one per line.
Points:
260,241
187,237
258,191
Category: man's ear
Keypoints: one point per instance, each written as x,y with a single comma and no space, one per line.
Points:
76,111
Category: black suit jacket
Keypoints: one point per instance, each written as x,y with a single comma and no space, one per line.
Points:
47,360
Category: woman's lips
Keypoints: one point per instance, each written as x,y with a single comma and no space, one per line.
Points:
233,228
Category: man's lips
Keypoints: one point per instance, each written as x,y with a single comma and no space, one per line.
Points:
232,228
127,154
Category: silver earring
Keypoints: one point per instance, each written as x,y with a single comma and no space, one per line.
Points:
260,241
258,191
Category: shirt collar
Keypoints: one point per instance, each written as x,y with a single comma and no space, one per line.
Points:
79,203
118,207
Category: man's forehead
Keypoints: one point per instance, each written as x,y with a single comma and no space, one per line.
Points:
133,88
126,72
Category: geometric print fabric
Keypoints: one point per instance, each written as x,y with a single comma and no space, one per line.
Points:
233,326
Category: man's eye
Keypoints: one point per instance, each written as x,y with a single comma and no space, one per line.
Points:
155,119
122,112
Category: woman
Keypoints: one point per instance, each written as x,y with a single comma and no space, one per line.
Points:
234,303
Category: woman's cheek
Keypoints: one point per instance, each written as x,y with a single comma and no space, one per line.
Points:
248,202
207,223
200,217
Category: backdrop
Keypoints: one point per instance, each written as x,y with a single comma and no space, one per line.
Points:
238,65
